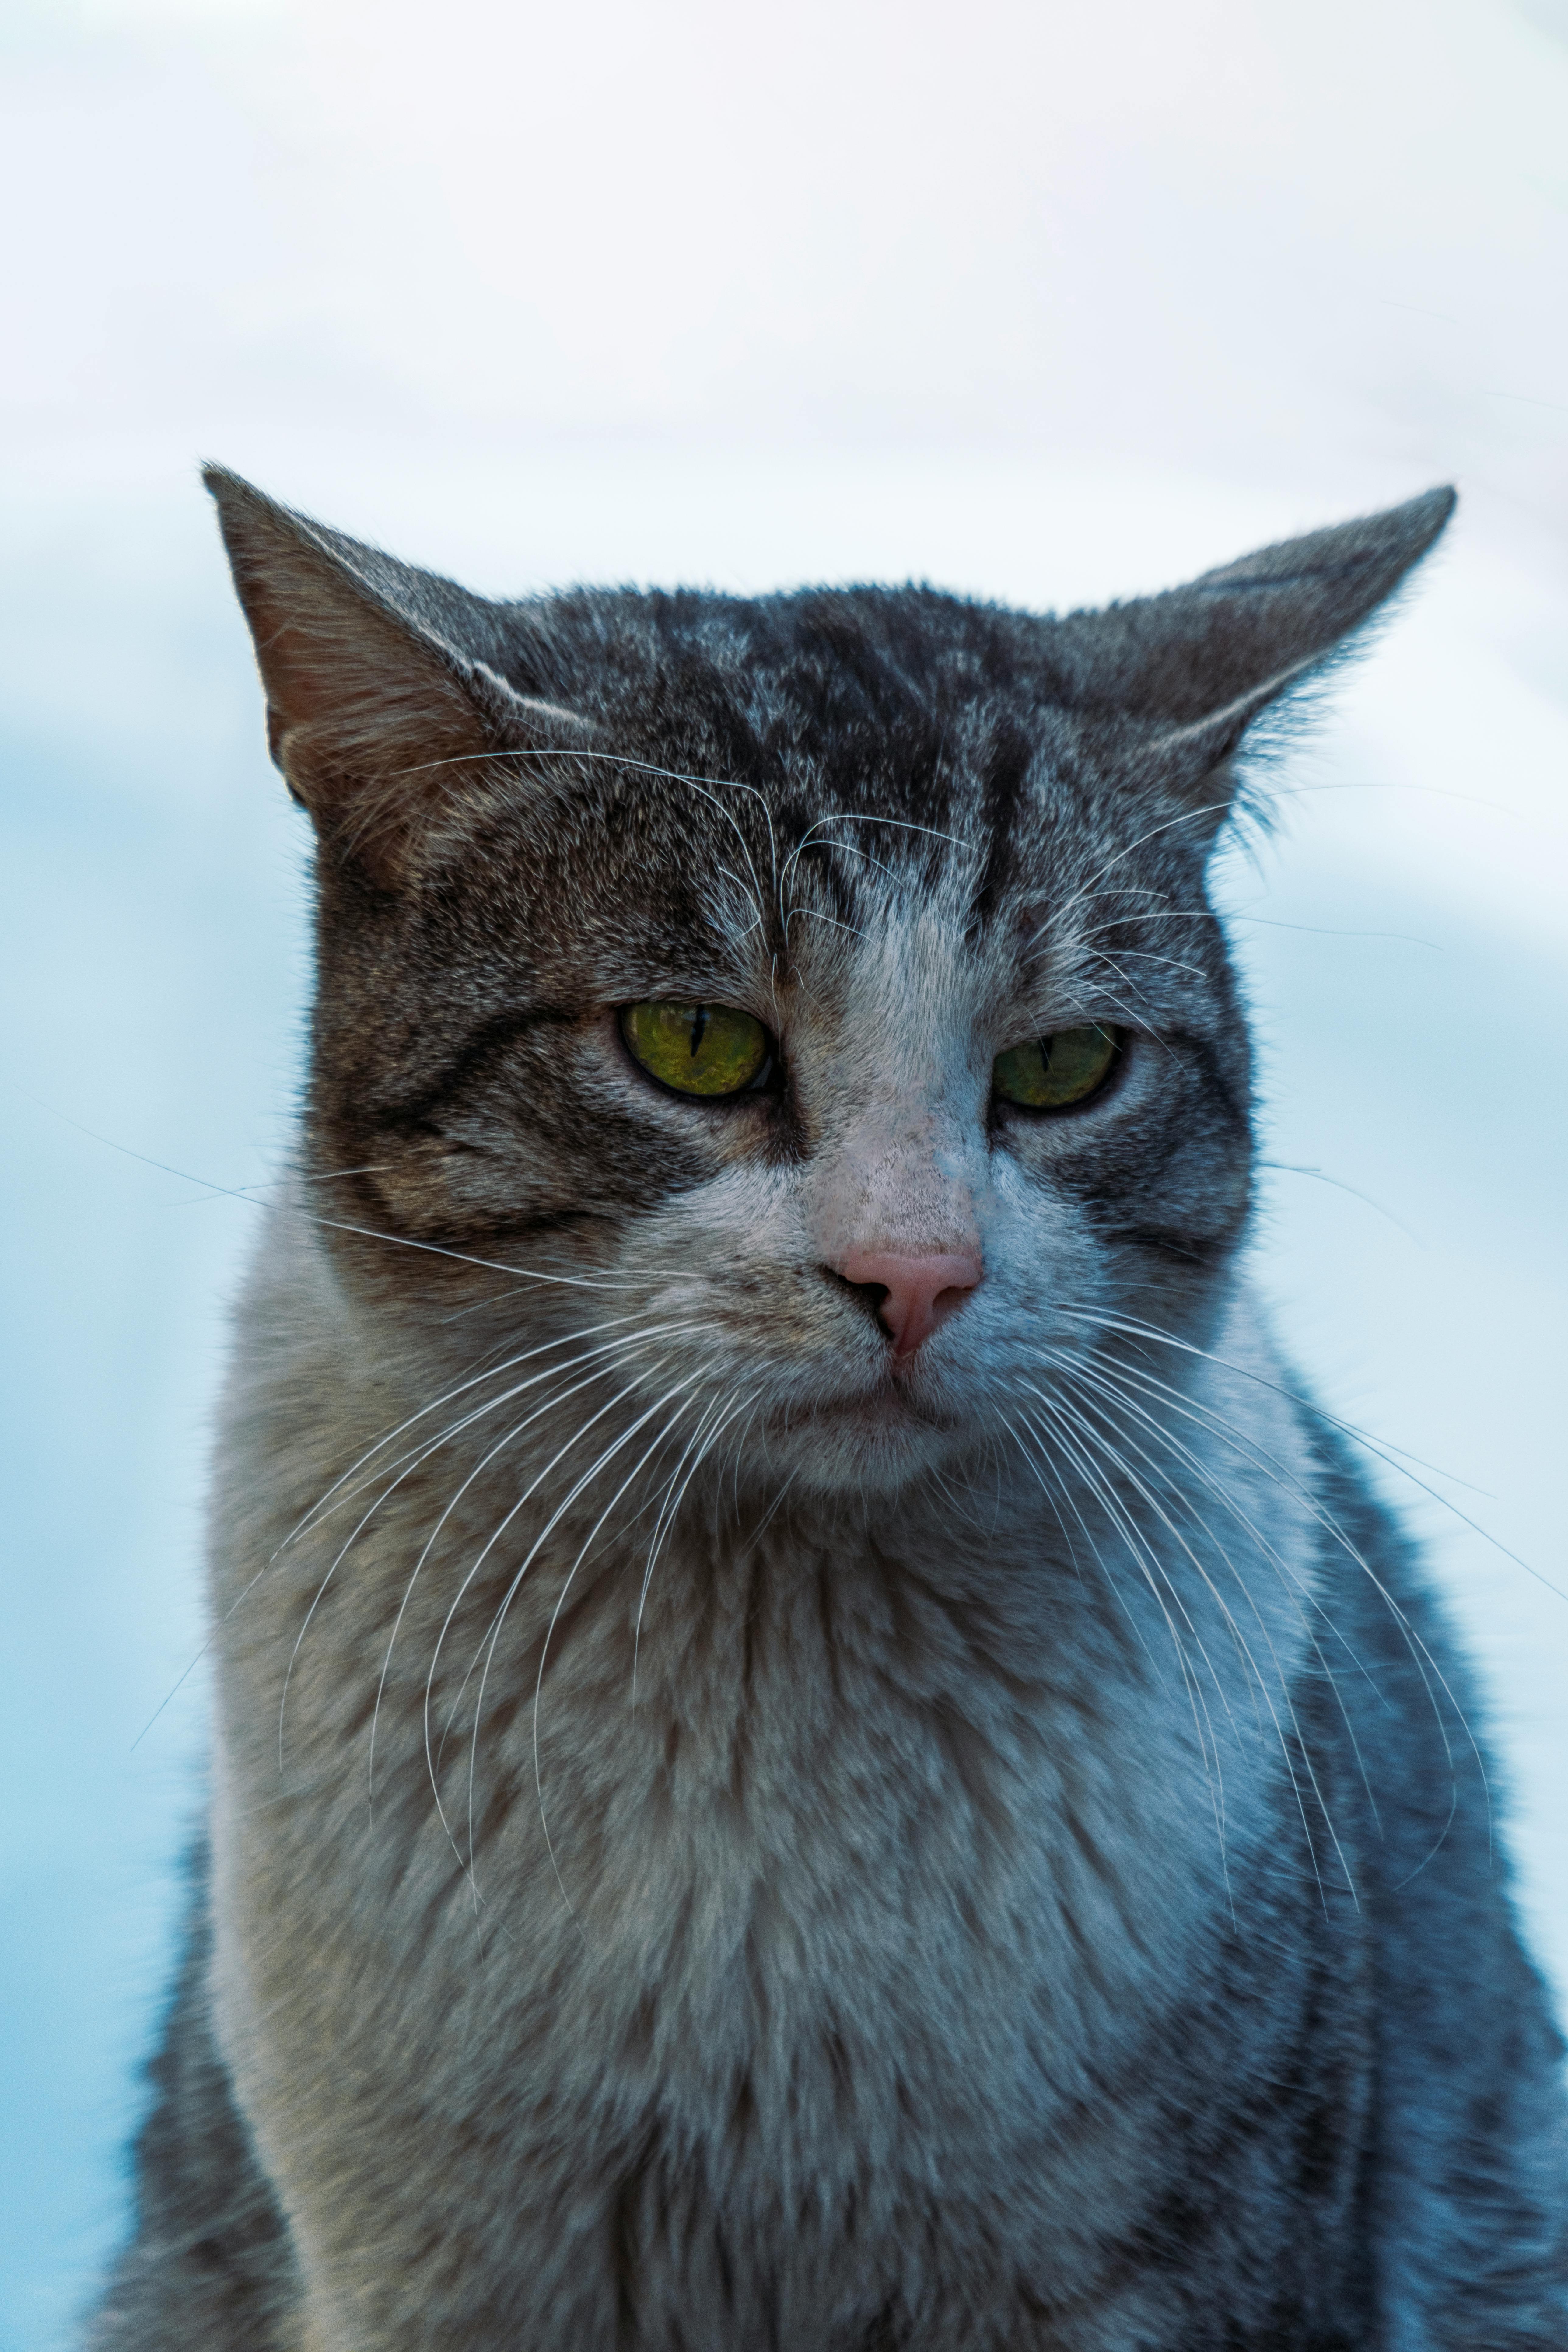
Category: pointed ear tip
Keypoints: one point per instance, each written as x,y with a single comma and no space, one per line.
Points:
238,502
222,481
1429,512
253,526
235,497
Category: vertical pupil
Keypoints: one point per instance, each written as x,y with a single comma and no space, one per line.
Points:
699,1024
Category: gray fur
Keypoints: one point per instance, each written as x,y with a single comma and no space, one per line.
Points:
718,1839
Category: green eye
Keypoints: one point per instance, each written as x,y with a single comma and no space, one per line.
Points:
1052,1072
698,1049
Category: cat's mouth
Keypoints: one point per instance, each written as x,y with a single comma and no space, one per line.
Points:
890,1408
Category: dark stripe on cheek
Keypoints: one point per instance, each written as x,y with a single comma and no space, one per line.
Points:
468,1061
1178,1181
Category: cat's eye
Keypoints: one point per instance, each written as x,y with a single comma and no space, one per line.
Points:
698,1049
1052,1073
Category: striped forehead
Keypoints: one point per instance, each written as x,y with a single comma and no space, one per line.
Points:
981,879
1041,901
882,945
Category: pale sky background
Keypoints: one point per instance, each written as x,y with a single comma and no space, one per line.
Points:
1052,303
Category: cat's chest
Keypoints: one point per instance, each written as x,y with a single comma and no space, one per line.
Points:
803,1876
802,1811
909,1921
831,1832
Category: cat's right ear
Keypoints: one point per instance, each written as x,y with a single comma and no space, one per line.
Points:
386,730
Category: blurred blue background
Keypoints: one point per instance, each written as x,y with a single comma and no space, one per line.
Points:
1048,303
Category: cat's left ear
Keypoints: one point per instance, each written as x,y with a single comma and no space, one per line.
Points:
1192,669
381,711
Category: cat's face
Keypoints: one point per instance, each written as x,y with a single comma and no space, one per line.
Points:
479,1054
819,995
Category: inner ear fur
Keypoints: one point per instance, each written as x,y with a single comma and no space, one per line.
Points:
1185,674
381,725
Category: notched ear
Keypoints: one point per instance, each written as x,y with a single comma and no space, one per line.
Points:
386,730
1192,669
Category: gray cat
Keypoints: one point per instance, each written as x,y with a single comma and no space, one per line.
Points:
813,1748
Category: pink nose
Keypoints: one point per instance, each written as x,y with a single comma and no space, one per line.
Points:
919,1293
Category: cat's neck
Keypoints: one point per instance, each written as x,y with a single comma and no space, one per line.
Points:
1173,1554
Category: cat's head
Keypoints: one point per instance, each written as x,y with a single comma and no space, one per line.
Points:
814,999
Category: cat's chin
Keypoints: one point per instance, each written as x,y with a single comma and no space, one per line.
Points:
866,1445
